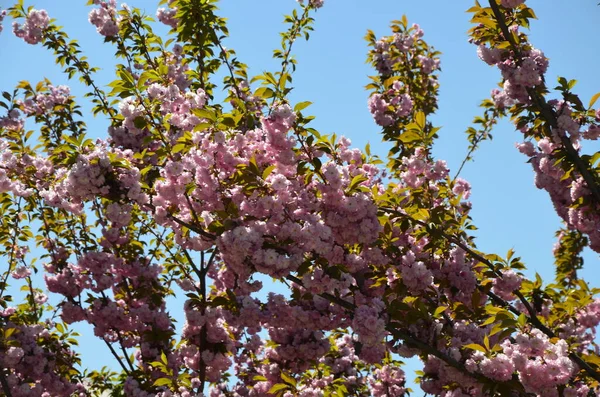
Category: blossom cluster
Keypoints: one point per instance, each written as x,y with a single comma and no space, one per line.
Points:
105,17
167,16
387,381
505,286
519,75
10,168
187,198
511,3
397,55
33,28
94,174
541,364
35,353
45,102
369,325
392,105
2,16
564,192
314,3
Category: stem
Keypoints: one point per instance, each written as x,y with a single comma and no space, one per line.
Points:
487,126
4,383
13,247
33,304
204,331
225,59
125,354
286,57
210,261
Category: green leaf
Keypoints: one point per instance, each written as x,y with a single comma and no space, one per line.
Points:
563,82
437,313
409,136
142,80
593,100
264,92
205,114
301,106
178,148
162,382
316,162
126,77
267,171
288,379
139,122
475,346
420,120
8,332
278,387
357,180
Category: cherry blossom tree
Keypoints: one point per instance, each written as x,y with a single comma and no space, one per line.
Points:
189,196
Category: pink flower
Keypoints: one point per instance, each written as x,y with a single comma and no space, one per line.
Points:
491,56
21,272
167,16
9,311
505,285
105,18
2,15
33,28
499,368
462,187
313,3
511,3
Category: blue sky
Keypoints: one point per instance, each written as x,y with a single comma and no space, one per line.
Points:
509,211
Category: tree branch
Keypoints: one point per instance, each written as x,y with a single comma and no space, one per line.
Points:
407,338
547,112
532,319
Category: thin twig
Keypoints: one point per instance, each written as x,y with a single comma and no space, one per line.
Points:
286,56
